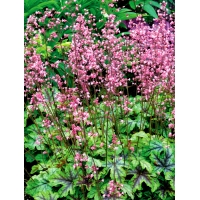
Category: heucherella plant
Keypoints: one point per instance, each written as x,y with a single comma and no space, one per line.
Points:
102,108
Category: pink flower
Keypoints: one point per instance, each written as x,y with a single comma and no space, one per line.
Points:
94,168
73,14
37,142
96,101
58,137
46,123
131,148
54,35
171,126
170,135
93,147
102,144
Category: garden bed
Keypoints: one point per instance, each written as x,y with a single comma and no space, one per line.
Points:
100,102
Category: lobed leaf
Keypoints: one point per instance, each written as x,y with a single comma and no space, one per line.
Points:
65,179
171,177
139,177
116,169
91,161
128,189
37,185
29,157
38,167
163,162
129,126
93,193
47,196
142,175
154,146
146,165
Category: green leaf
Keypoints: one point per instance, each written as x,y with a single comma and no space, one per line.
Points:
36,185
116,169
118,150
128,189
124,10
93,11
137,2
51,171
35,168
172,2
38,167
141,123
146,165
42,51
25,118
41,157
122,34
139,177
103,172
163,162
100,152
47,196
86,4
154,3
135,162
149,9
155,146
127,126
91,161
29,157
117,172
155,185
132,5
141,134
164,193
148,195
139,141
100,24
137,108
30,129
142,175
93,193
122,25
28,4
171,177
144,137
126,16
28,10
29,143
66,180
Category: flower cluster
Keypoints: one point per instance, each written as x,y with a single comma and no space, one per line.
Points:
113,190
34,71
97,63
79,159
153,64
